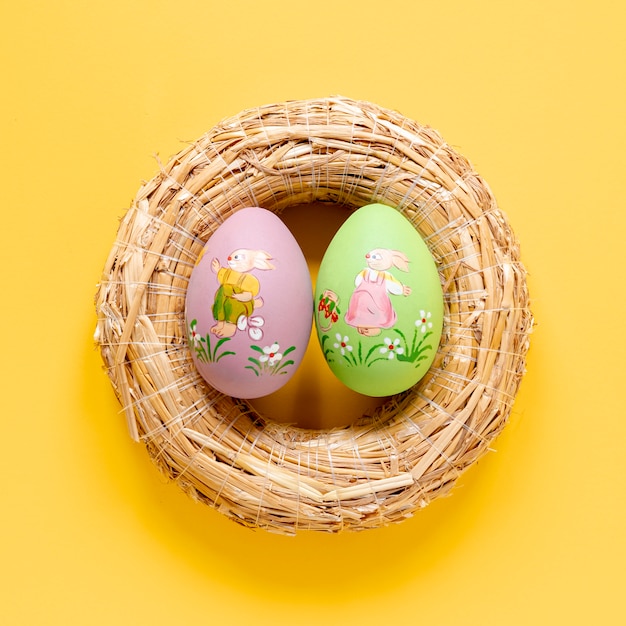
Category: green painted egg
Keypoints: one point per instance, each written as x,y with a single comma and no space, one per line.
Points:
379,303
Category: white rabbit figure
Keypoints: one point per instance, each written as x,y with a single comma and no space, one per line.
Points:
370,308
237,295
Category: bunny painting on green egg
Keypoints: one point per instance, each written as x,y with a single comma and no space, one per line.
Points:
379,303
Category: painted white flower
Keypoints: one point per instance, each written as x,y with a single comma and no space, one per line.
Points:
423,322
194,335
271,354
391,348
342,344
253,325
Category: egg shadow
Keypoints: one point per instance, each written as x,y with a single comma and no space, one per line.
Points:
314,398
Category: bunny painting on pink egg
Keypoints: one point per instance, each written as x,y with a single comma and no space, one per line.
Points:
378,326
238,294
249,305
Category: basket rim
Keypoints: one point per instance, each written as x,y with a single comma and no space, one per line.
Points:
280,477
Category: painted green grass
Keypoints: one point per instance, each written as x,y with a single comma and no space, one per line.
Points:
205,351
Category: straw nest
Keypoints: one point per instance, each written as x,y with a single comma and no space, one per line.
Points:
384,466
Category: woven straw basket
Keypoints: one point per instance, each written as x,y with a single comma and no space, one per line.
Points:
384,466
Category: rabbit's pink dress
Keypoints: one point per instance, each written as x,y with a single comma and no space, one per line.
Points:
370,305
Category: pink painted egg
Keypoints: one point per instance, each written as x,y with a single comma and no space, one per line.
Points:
249,305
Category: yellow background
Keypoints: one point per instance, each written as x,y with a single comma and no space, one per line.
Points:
532,92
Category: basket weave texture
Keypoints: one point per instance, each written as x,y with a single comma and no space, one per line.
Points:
385,466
